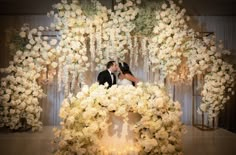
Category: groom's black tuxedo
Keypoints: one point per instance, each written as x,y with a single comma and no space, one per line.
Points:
105,76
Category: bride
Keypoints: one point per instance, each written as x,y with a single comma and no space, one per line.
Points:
125,76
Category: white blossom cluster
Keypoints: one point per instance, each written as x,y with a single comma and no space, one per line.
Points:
217,88
113,31
168,44
84,118
20,89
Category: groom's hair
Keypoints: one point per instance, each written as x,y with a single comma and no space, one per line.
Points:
109,64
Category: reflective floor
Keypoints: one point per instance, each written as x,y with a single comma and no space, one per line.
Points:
195,142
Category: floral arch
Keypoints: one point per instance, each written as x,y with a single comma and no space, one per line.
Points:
90,36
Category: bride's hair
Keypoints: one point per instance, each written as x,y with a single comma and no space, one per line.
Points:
124,67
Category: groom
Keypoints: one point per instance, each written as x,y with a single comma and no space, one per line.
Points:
108,74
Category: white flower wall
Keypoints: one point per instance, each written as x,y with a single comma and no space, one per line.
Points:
88,41
20,89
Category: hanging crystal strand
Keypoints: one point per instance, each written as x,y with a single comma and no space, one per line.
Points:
59,78
135,51
130,46
112,50
116,54
99,38
147,59
143,52
78,81
92,46
66,79
103,45
81,79
110,41
73,81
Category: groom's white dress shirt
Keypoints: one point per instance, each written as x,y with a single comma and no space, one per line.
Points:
112,78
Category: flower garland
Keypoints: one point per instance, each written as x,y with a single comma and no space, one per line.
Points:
217,88
84,119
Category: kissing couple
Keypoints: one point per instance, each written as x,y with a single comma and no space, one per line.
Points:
125,76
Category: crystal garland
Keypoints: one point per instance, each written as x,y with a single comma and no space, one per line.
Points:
135,50
92,45
144,53
65,78
130,47
98,36
73,81
59,77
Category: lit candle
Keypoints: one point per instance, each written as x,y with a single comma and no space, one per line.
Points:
105,152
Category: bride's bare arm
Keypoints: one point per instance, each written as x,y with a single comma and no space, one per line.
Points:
131,78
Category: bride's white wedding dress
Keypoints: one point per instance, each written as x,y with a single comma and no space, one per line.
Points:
119,136
124,82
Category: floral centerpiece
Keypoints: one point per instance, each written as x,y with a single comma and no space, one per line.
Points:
85,117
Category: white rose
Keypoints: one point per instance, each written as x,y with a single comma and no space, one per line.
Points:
22,34
41,28
31,65
170,148
138,1
12,111
22,105
213,48
54,65
204,107
129,3
111,107
85,58
164,6
34,31
120,6
45,38
6,97
30,109
28,46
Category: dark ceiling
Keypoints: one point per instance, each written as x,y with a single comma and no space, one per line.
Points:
194,7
